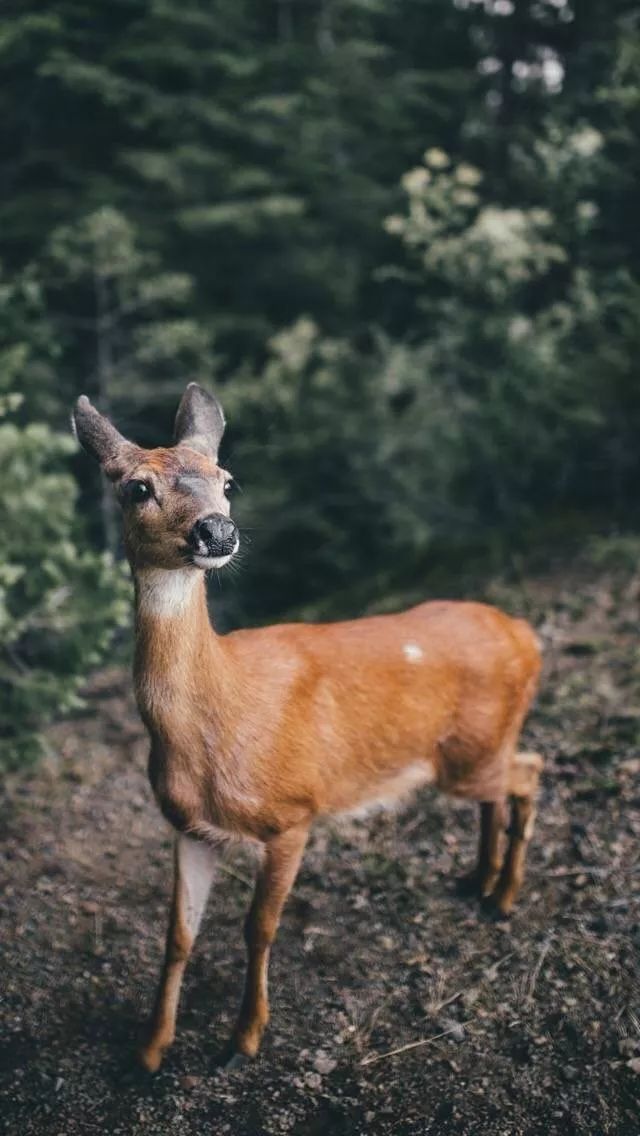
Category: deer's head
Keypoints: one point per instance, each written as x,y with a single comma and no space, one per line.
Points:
174,500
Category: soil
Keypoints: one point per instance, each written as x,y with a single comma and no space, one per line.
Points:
396,1007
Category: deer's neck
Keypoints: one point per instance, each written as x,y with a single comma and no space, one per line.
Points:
179,659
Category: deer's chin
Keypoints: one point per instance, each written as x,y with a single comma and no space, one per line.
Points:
207,562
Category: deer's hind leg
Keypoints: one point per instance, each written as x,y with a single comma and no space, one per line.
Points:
523,790
480,882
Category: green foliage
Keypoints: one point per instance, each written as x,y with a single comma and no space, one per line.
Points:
59,601
248,140
495,349
317,447
114,308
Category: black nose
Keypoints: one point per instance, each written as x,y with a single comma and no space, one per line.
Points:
214,536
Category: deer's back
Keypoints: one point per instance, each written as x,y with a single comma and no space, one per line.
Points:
362,707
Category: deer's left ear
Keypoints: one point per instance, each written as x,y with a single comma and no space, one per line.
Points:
200,421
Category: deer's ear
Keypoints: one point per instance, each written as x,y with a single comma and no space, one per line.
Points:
100,438
200,421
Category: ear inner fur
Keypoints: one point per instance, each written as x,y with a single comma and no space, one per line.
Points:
200,421
99,437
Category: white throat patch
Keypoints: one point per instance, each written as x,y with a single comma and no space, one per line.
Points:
166,592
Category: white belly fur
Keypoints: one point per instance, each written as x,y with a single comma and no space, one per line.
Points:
388,793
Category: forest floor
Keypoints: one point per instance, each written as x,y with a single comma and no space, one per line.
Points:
528,1027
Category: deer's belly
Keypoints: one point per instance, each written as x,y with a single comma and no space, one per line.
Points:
386,792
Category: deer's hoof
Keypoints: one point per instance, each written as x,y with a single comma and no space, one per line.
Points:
150,1059
494,910
233,1059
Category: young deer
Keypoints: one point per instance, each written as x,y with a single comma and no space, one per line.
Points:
256,733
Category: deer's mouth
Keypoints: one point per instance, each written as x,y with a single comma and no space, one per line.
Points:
207,560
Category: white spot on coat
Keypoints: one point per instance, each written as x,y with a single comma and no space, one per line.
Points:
412,652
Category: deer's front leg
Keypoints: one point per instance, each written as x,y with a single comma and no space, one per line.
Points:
194,869
274,882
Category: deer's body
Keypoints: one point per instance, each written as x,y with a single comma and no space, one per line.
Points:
260,731
256,733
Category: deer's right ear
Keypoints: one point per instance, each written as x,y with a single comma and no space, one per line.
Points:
99,437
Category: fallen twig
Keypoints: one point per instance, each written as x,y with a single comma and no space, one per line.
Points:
492,970
235,875
372,1060
585,870
535,973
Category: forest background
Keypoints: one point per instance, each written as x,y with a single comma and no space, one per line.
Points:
398,237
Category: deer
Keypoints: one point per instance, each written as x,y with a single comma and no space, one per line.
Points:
258,733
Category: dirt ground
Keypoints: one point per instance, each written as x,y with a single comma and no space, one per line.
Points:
528,1027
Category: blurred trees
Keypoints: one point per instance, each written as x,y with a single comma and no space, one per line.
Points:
400,238
60,600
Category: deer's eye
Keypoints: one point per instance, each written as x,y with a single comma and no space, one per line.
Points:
138,491
229,487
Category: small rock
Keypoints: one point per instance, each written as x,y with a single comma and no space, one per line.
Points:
323,1064
189,1082
628,1045
570,1073
454,1030
600,924
313,1080
634,1064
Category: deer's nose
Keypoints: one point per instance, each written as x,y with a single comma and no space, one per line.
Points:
218,535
